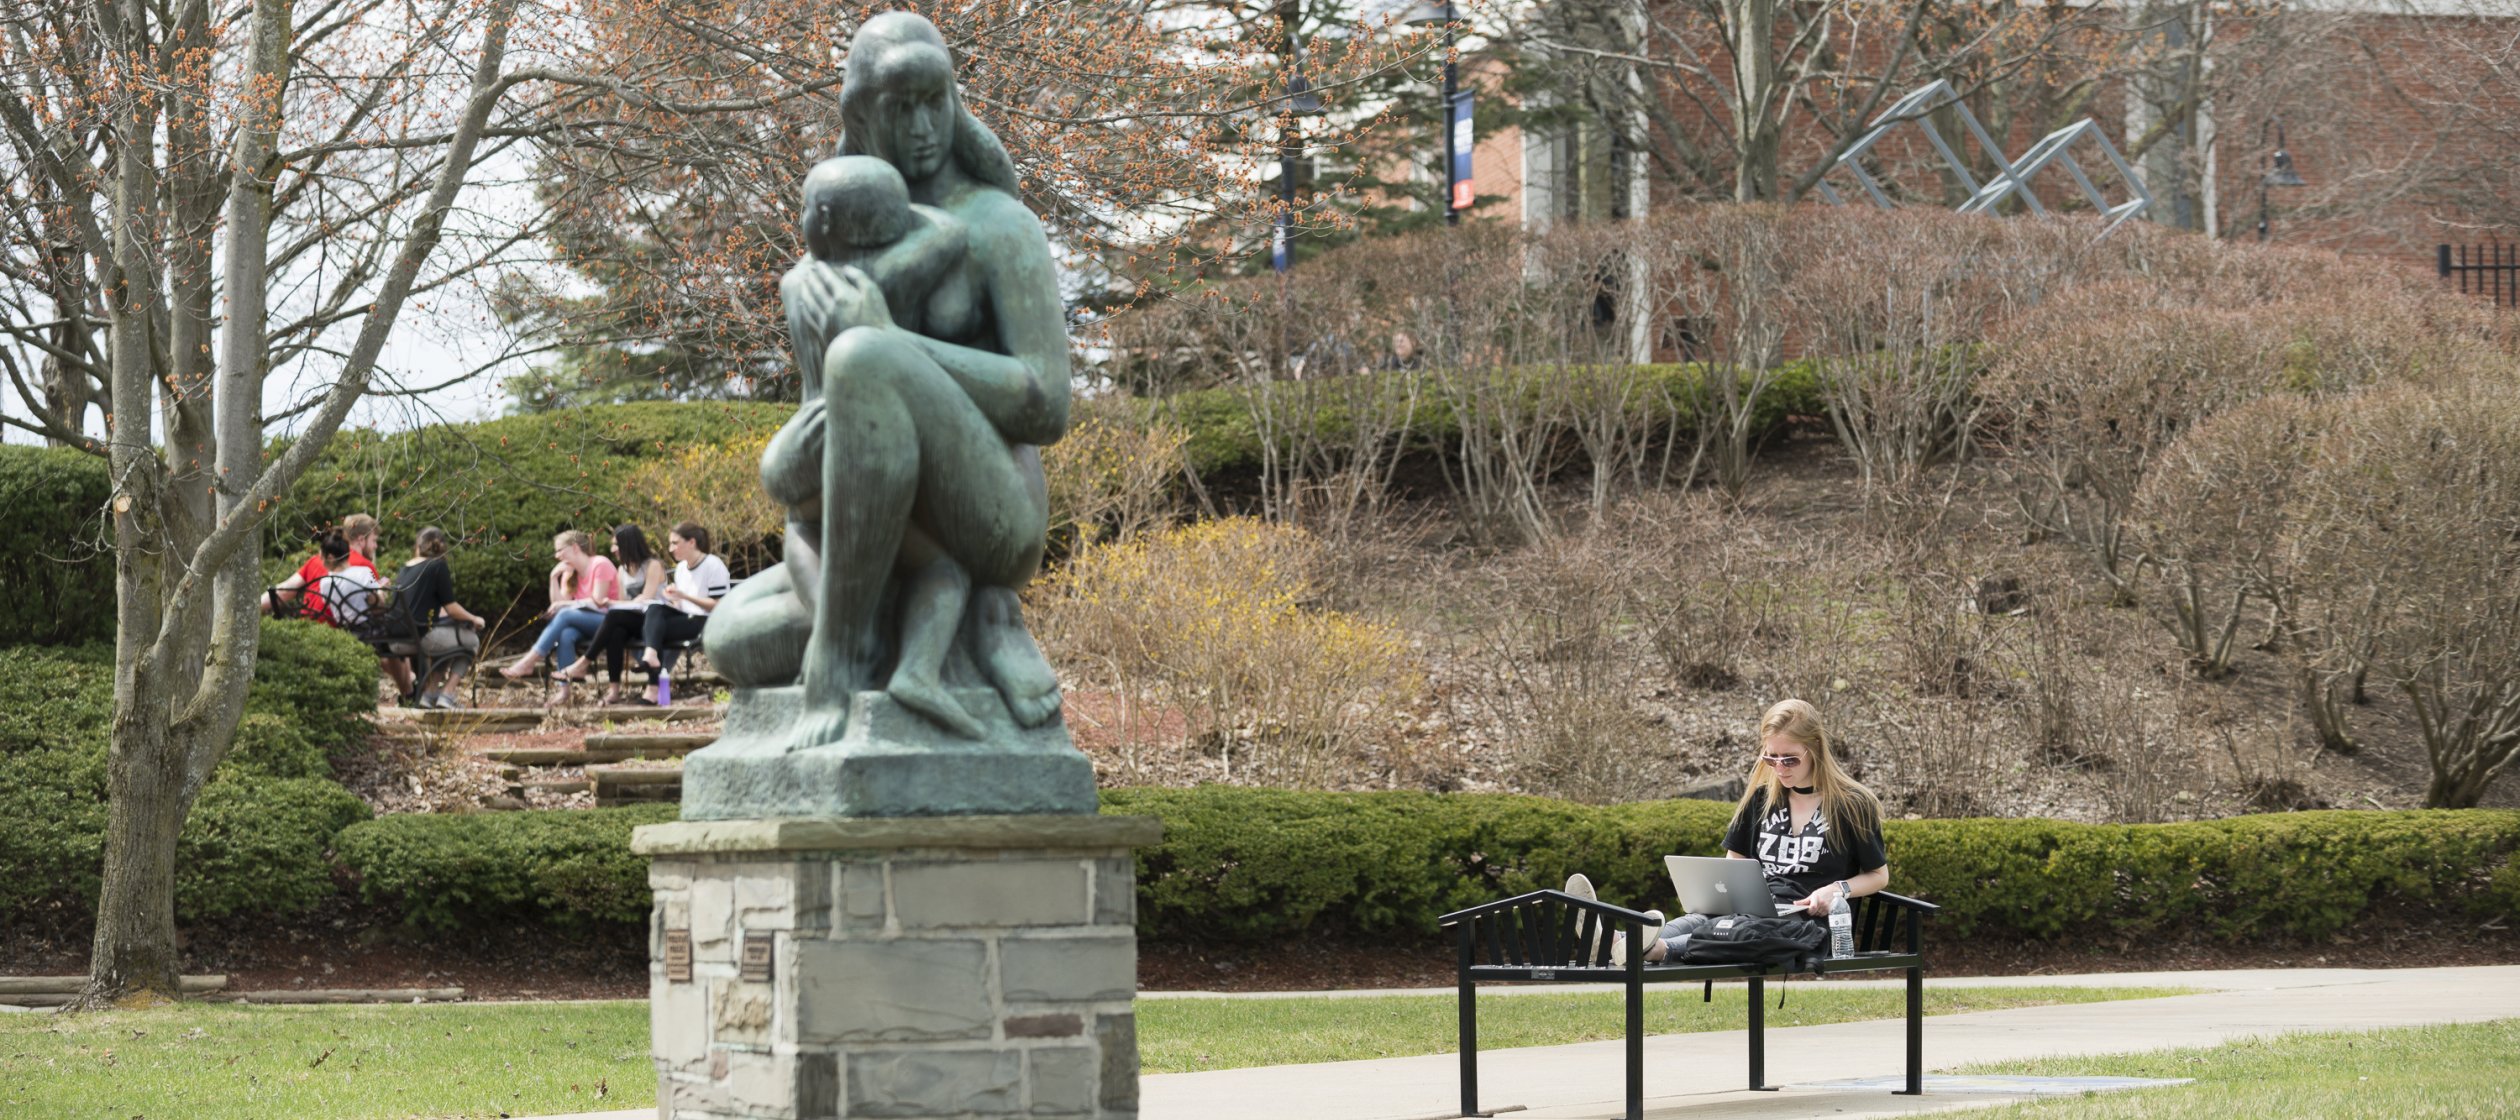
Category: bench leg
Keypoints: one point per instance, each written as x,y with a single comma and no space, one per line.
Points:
1635,1049
1758,1036
1915,1034
1468,1002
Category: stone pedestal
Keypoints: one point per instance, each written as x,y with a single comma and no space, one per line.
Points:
891,762
822,968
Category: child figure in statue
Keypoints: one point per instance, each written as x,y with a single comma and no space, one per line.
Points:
858,216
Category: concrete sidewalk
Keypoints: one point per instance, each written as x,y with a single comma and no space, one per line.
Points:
1700,1076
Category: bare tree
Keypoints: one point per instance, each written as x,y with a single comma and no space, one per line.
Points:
233,209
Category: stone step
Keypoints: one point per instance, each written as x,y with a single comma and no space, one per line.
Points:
635,775
538,756
492,720
621,785
549,785
625,745
605,747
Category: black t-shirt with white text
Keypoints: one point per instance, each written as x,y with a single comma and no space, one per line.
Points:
1798,863
424,587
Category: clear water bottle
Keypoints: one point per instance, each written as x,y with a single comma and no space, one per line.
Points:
665,690
1841,928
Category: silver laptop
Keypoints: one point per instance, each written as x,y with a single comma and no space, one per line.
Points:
1716,885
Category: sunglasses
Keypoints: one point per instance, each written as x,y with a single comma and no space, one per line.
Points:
1781,761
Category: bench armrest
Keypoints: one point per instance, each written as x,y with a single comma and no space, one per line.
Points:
1886,922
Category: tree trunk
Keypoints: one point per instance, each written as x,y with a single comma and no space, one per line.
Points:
1754,99
134,960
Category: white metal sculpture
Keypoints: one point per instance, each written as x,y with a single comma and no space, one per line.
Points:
2011,176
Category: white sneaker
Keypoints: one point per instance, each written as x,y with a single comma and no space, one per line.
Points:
1582,888
1618,944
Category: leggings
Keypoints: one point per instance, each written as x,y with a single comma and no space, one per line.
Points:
667,626
620,630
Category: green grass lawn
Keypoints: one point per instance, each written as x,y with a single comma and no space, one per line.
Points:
2416,1073
229,1062
1178,1035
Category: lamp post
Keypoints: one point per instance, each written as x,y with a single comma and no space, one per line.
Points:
2279,171
1300,103
1429,13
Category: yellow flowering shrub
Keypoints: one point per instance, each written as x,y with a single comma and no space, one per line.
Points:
1213,619
1111,477
715,484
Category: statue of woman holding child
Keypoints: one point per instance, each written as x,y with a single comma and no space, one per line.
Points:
884,668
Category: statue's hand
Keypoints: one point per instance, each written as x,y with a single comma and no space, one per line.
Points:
869,297
848,298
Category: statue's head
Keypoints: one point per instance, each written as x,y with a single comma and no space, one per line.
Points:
898,101
854,202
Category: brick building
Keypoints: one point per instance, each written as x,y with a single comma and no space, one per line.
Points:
2400,119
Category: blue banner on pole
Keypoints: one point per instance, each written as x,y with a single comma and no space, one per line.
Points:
1462,193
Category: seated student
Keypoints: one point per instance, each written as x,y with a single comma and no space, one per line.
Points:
349,545
424,591
642,583
700,580
576,611
1815,831
347,592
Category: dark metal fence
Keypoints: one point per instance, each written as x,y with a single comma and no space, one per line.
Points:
2492,271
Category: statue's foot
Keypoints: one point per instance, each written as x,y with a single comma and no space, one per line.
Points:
819,728
928,698
829,689
1015,665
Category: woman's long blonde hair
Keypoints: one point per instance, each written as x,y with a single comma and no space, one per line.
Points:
1845,802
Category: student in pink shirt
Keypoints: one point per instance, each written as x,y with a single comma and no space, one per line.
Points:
573,620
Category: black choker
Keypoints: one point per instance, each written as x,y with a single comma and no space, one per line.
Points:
1804,790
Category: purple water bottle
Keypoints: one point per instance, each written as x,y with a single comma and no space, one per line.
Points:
664,688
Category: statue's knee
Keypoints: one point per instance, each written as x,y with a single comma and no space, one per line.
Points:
861,354
756,638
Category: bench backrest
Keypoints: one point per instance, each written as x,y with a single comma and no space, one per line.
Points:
1543,929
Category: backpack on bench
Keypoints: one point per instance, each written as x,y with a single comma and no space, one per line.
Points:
1749,939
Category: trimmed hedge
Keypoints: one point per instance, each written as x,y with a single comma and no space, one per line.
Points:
1259,865
503,487
257,837
57,585
565,866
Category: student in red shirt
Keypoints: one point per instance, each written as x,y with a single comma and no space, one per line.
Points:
346,547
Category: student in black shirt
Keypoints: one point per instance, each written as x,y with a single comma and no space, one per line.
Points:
424,590
1815,831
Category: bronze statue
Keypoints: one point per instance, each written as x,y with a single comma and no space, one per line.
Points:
933,351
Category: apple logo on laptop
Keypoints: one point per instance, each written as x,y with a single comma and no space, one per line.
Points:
1722,889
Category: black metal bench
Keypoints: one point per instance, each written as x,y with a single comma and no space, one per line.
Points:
1552,935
